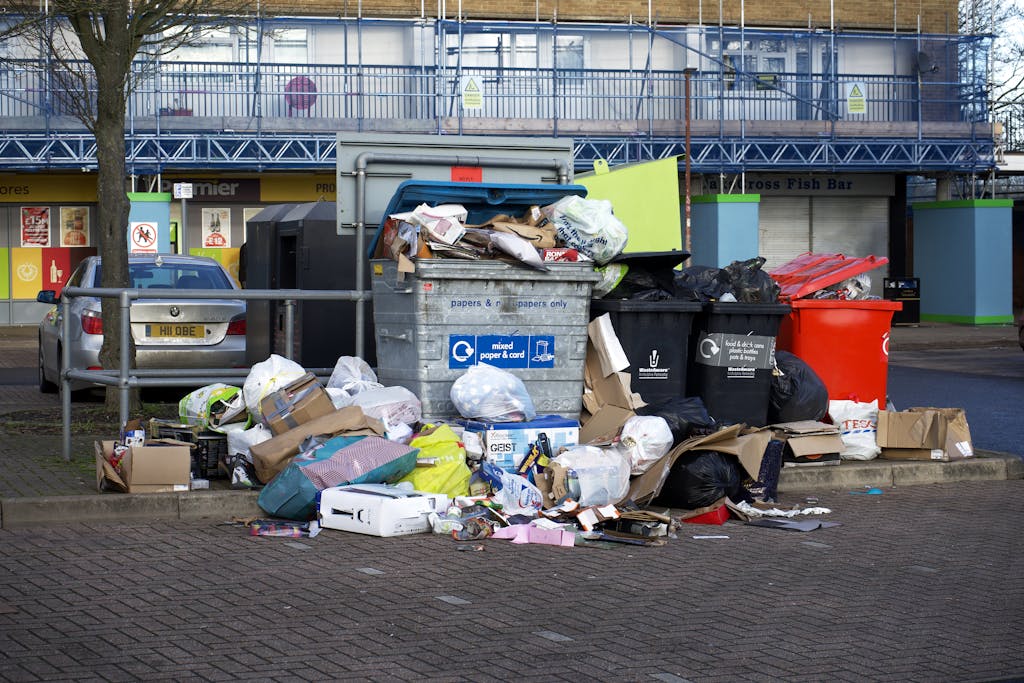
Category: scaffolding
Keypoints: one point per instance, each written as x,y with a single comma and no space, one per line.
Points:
795,100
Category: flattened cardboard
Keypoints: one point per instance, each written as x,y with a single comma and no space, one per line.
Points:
271,456
748,449
609,403
809,437
158,468
299,402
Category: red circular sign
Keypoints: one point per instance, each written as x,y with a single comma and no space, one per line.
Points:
300,93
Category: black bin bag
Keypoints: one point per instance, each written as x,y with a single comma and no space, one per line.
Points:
797,393
700,478
686,416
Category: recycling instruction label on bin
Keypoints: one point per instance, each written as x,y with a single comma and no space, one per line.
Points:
723,350
501,350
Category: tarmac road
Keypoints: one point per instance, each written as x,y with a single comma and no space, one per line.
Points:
920,584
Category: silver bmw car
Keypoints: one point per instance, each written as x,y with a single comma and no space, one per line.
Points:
168,333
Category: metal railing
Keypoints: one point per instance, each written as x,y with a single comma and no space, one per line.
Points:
125,377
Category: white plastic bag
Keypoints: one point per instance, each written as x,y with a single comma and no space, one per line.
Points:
858,428
239,442
644,439
485,392
352,375
390,405
603,473
267,377
589,226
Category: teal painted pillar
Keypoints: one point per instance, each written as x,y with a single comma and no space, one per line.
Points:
963,255
149,223
723,228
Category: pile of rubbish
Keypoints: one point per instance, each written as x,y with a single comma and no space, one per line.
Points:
354,455
569,230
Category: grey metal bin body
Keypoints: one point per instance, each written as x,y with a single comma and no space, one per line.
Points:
449,314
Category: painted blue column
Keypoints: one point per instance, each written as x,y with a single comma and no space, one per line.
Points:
963,255
149,217
724,228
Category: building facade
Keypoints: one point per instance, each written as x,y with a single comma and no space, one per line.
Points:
822,110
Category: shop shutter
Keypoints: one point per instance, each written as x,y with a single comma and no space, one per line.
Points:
854,226
784,228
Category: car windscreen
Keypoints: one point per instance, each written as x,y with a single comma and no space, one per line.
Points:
173,276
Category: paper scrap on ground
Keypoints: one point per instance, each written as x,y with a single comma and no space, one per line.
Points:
793,524
755,512
524,533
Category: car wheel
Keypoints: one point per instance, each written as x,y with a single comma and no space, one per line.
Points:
1020,337
45,385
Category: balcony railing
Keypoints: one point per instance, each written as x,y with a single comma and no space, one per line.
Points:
389,97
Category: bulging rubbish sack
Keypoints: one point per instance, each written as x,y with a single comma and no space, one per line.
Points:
390,405
265,378
589,226
352,375
485,392
644,439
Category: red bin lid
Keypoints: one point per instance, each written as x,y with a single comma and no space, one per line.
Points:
810,272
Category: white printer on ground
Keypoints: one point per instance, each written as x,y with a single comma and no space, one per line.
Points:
378,509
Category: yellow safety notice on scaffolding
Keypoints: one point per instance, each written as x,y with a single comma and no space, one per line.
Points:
856,101
472,93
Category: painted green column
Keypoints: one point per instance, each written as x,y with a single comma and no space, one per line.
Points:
724,228
149,222
963,255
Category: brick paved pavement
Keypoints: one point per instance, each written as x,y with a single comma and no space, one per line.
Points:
922,583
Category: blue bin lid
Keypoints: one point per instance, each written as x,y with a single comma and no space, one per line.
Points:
482,201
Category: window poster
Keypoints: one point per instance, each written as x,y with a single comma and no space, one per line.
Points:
216,228
74,226
35,226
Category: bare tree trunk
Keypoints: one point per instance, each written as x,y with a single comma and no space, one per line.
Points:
113,224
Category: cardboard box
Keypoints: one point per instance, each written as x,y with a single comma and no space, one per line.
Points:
271,456
157,467
809,442
507,443
297,403
940,434
378,509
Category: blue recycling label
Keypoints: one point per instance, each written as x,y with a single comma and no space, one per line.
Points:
501,350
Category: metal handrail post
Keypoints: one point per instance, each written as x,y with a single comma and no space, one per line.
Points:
65,382
289,328
125,302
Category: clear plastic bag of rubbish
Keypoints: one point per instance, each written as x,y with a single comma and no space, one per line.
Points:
352,375
644,439
390,405
603,473
485,392
589,226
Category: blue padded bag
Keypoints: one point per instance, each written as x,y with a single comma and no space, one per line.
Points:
340,460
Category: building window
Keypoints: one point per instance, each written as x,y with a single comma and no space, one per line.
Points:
291,46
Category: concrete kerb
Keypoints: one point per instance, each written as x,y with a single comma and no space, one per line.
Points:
985,466
19,513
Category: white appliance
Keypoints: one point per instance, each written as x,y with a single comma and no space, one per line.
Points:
378,509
